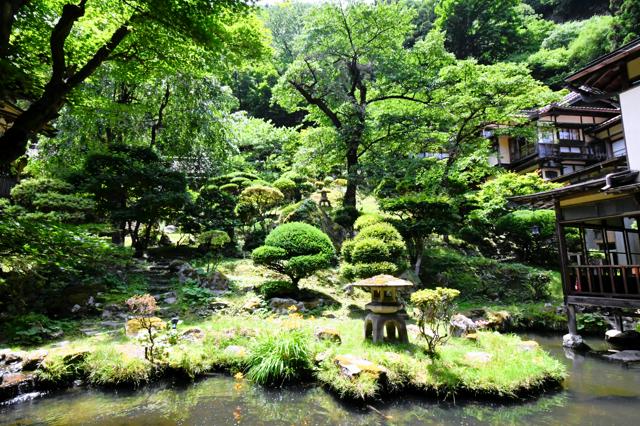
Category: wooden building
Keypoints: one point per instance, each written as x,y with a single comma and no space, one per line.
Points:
598,218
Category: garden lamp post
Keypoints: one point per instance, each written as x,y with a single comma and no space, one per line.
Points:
384,309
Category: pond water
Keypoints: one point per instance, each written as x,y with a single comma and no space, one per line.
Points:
596,393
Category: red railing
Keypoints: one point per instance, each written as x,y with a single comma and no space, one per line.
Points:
605,280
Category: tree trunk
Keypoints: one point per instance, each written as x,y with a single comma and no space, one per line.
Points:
349,199
418,265
13,143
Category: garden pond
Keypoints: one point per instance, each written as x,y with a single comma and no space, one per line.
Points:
595,393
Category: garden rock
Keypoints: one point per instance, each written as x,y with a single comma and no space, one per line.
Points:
629,339
575,342
252,305
193,335
236,350
625,356
328,334
32,360
187,272
218,281
352,366
281,305
14,384
176,265
499,320
460,325
477,357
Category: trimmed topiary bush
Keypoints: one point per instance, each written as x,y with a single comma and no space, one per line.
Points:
377,249
367,220
287,187
295,249
277,288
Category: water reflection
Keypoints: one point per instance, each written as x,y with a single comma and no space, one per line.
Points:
596,393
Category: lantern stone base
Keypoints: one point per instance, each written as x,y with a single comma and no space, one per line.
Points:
394,324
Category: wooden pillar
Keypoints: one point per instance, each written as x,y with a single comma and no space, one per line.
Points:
562,250
571,317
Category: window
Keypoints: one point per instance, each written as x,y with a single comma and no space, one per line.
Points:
619,148
571,149
545,135
550,174
570,168
569,134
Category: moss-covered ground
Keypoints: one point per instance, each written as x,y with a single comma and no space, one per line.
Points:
489,364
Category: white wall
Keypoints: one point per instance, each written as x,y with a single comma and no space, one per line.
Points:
630,105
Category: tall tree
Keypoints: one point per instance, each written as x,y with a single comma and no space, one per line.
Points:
344,59
487,30
89,33
626,25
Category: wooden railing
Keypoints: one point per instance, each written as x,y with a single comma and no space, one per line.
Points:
605,280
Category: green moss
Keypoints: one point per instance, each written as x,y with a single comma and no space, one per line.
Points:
108,366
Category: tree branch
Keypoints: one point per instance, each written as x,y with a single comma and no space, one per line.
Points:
8,11
70,14
317,102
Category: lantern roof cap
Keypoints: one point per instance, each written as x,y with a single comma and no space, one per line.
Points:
383,281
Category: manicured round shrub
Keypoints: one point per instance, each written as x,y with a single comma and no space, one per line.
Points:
376,249
286,186
367,220
295,249
277,288
370,250
364,270
383,231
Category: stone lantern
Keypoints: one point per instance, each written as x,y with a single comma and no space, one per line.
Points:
384,309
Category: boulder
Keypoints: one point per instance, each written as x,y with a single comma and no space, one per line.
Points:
575,342
217,281
14,384
176,265
282,305
329,334
32,360
187,272
478,357
624,356
236,350
460,326
498,320
252,305
629,339
193,335
352,366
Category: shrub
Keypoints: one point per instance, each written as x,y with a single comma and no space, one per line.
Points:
287,187
433,309
516,229
277,288
367,220
256,201
346,216
280,358
40,260
480,278
144,307
296,250
377,249
51,199
370,250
